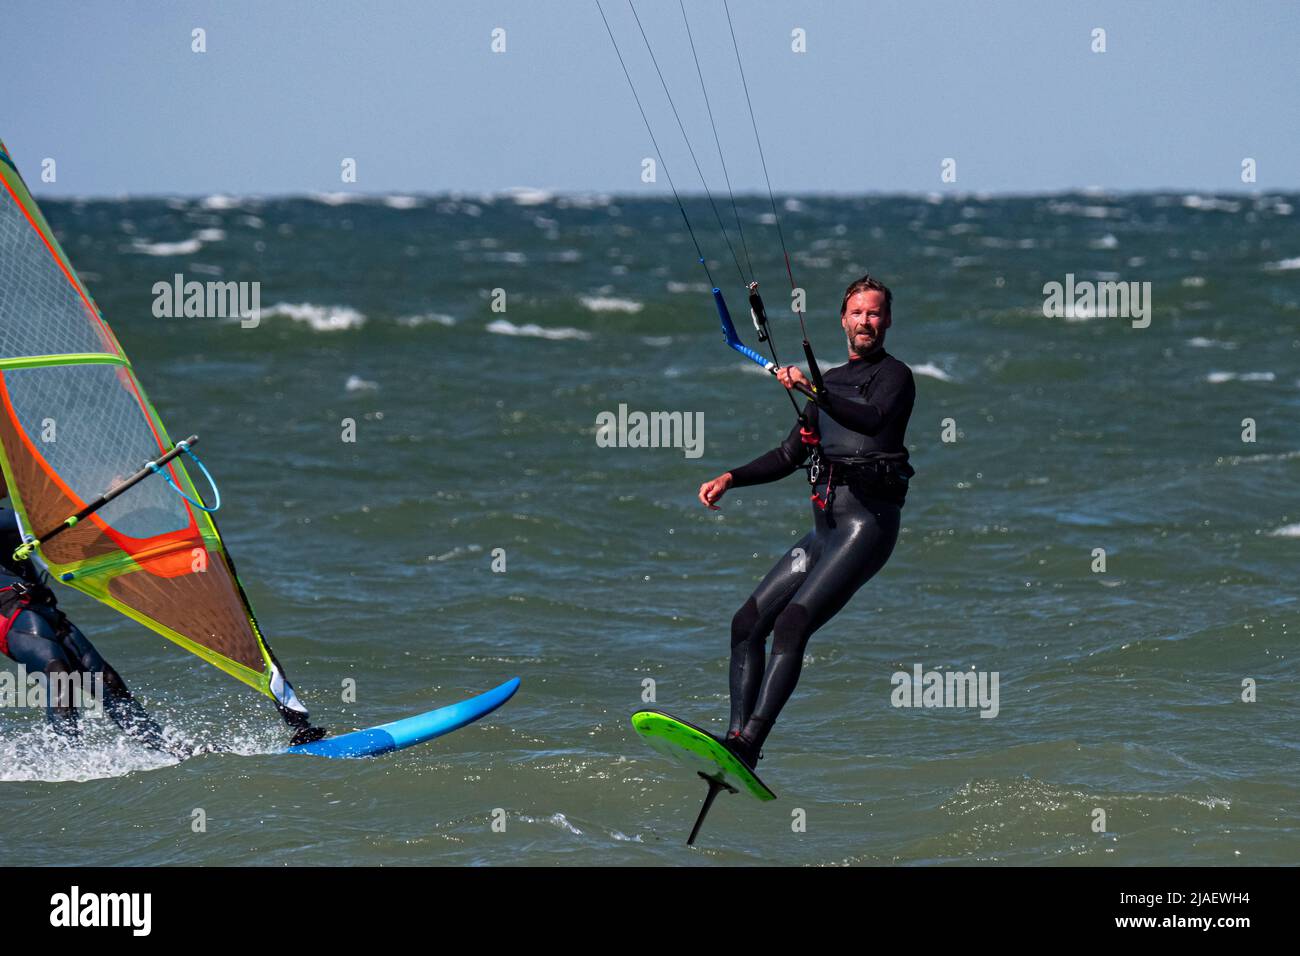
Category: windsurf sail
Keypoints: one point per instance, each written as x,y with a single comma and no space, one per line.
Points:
74,424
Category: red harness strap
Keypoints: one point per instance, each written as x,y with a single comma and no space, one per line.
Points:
6,623
4,631
812,439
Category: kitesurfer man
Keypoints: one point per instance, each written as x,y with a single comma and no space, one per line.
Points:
36,634
852,441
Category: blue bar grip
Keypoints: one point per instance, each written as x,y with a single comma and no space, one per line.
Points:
733,339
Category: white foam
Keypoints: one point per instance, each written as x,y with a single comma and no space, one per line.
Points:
611,304
426,318
322,318
1066,208
1218,378
505,327
335,199
1210,203
931,370
39,754
219,201
183,248
1251,459
525,196
456,552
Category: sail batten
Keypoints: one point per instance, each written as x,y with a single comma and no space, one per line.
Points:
74,423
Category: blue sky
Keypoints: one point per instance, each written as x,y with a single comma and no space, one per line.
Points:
413,92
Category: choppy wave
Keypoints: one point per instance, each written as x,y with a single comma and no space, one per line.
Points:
426,318
611,304
531,329
1218,378
930,370
184,247
321,318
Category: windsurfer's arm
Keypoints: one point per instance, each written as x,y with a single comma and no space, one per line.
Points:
889,396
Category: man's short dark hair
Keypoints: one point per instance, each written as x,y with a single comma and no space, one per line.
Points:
867,283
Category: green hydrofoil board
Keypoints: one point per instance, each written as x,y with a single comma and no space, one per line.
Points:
698,751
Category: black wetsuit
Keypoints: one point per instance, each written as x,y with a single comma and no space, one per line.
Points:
36,634
863,482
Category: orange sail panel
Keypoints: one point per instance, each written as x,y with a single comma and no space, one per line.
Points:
74,422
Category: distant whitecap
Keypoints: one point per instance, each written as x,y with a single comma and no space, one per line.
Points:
1210,203
183,248
356,383
335,199
524,196
601,303
506,327
1218,378
321,318
930,370
218,201
426,318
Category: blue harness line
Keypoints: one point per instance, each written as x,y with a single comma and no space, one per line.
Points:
184,446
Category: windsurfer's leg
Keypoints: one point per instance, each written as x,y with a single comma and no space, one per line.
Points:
753,622
118,700
864,538
33,643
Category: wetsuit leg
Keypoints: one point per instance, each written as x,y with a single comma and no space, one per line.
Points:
850,549
34,644
45,642
118,701
753,622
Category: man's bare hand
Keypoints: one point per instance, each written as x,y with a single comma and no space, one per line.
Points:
712,491
791,376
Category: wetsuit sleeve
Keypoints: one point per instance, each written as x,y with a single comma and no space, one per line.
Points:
781,461
895,394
